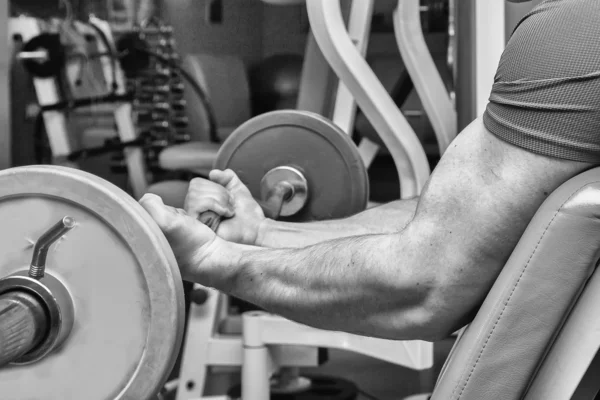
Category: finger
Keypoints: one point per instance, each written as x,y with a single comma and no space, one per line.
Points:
162,214
196,206
222,177
166,217
211,197
207,188
228,179
200,183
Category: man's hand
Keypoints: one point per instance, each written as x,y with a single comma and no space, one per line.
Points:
201,255
226,195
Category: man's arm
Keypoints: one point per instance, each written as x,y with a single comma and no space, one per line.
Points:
422,282
387,218
225,194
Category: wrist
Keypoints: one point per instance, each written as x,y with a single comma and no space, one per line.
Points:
263,232
235,264
218,265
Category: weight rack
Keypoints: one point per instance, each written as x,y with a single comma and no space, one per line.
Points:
159,106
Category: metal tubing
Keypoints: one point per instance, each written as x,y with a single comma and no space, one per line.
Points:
359,28
257,366
23,325
330,32
424,74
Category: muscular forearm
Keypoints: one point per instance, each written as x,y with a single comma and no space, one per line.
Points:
388,218
365,284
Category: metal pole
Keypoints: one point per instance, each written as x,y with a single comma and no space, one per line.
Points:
23,325
5,62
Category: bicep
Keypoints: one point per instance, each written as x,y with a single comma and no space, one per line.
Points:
473,211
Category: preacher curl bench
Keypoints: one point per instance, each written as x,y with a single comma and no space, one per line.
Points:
99,313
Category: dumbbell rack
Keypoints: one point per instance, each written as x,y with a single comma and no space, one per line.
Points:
159,105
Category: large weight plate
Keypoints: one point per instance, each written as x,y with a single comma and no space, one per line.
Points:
122,276
337,179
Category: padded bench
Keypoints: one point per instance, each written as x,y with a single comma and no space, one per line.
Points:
538,329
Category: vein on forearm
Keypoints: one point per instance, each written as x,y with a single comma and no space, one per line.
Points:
388,218
356,284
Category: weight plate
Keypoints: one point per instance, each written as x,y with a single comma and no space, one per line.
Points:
338,183
122,276
50,43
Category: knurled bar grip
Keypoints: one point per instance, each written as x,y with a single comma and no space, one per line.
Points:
23,325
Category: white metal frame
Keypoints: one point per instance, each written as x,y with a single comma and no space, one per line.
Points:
206,346
268,343
359,29
490,39
316,74
262,332
330,33
344,113
46,90
318,82
419,63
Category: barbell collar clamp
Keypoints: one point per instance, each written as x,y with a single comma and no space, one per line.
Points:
276,197
40,250
284,189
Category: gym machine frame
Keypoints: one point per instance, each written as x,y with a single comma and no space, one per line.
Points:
6,158
390,124
417,60
59,136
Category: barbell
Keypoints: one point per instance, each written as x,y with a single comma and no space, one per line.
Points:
91,298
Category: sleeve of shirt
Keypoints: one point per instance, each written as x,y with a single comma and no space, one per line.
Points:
546,92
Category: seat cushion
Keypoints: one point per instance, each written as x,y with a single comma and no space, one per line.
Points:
498,355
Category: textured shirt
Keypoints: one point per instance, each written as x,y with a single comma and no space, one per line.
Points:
546,92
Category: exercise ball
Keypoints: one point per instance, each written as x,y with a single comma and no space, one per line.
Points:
275,81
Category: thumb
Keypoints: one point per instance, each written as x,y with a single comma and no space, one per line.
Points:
163,215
